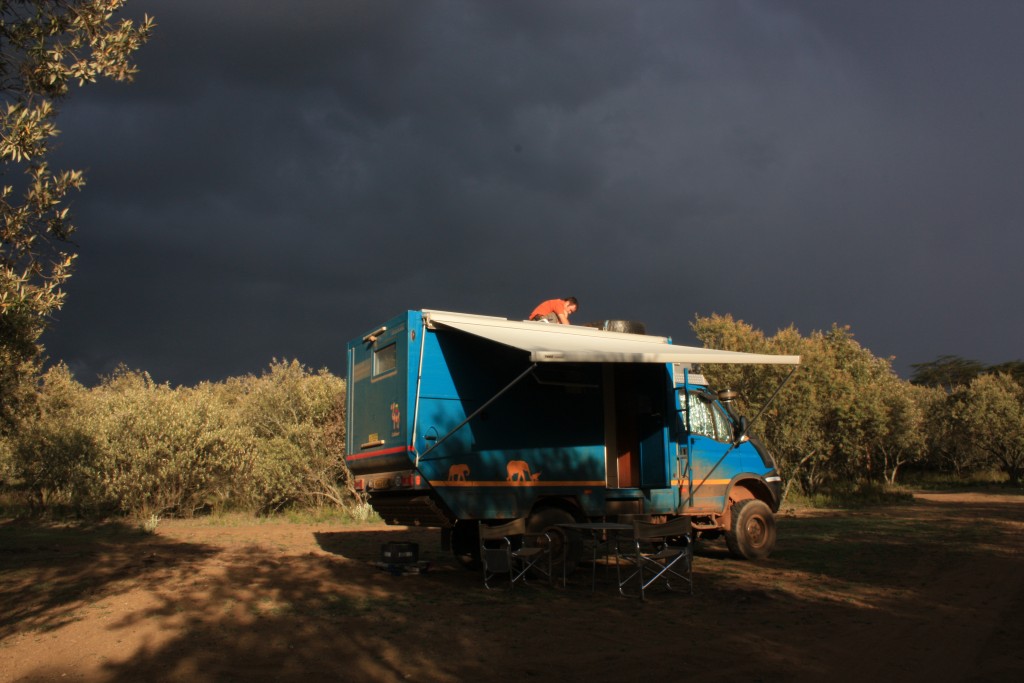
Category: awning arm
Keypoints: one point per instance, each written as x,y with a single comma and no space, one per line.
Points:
769,402
739,437
476,412
419,383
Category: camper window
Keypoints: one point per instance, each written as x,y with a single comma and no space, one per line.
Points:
385,359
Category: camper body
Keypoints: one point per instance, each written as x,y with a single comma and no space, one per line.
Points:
455,419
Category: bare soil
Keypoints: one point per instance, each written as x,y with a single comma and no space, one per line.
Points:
929,591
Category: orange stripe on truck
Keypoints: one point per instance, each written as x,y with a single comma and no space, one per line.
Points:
373,454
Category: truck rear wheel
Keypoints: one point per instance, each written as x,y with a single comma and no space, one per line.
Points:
566,547
466,545
752,533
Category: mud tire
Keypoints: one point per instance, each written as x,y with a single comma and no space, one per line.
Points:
547,520
752,535
466,545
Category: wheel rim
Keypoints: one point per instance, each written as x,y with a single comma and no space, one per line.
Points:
757,531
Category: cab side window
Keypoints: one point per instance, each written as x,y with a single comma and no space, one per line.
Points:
722,423
708,419
701,420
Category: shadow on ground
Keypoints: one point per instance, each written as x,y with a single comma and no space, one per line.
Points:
930,591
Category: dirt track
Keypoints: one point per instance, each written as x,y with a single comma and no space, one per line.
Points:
923,592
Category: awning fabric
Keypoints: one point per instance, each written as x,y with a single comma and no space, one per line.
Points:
553,343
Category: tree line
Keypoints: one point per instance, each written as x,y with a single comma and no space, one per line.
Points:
847,419
131,446
265,443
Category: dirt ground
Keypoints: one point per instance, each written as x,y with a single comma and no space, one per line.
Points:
929,591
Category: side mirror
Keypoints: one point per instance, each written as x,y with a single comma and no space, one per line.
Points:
741,429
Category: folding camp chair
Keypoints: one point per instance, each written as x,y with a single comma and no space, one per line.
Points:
508,549
656,552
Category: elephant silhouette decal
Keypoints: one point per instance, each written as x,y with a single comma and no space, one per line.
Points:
519,470
458,472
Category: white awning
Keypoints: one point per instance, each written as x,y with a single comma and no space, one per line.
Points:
553,343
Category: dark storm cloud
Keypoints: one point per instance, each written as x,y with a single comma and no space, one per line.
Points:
284,176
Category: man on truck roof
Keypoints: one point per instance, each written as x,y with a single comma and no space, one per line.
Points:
556,310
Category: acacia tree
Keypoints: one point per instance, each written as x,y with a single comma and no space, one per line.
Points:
950,372
46,48
949,445
947,372
904,440
993,421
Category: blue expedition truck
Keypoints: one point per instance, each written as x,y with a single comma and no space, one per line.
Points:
455,419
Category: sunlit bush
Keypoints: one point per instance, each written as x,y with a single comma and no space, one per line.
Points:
52,457
295,421
164,450
254,444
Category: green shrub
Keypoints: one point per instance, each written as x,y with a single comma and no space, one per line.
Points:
165,451
52,455
253,444
295,421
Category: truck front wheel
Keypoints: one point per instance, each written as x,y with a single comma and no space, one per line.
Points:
466,545
752,533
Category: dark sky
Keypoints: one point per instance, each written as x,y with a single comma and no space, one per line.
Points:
284,176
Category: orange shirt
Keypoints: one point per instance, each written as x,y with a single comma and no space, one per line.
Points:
556,306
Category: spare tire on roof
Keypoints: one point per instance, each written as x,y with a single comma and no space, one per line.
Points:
630,326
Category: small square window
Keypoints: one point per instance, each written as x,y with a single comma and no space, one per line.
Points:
385,359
